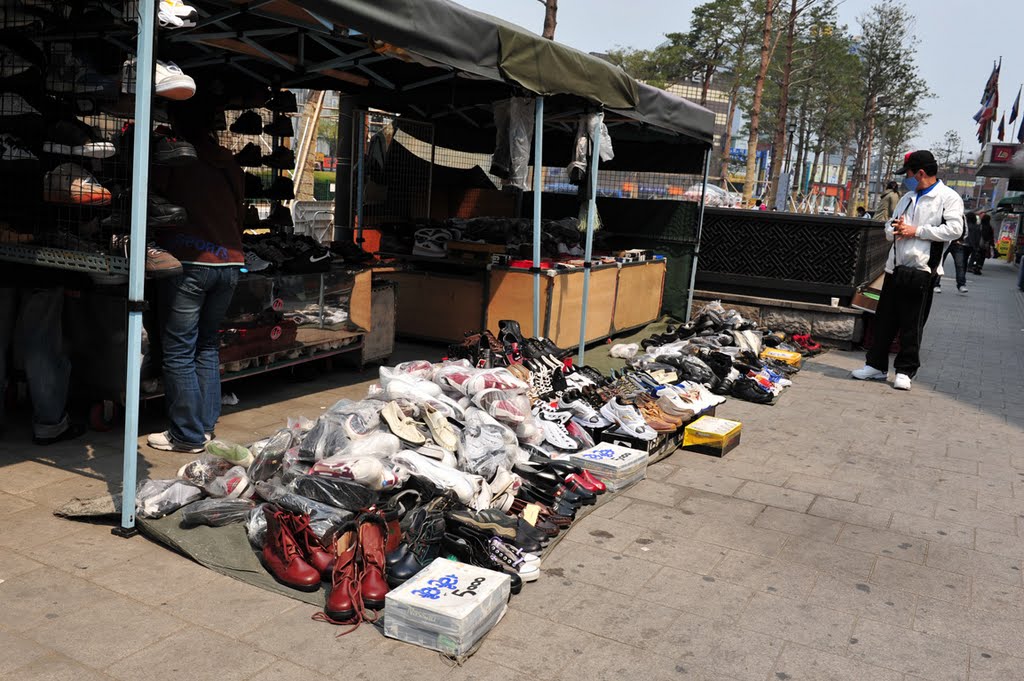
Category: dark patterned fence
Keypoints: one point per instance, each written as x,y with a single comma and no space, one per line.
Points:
809,258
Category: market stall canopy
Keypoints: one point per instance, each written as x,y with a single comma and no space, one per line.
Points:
658,108
1002,160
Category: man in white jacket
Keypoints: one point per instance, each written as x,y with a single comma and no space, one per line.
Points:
927,217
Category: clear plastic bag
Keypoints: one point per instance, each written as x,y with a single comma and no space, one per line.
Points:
322,517
453,377
482,450
216,512
234,484
337,492
157,498
325,439
508,408
369,471
269,457
256,527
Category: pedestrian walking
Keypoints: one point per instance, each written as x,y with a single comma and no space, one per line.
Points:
961,250
986,241
928,216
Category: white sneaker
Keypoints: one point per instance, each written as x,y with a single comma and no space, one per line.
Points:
552,422
962,290
229,451
628,419
13,149
176,14
672,403
937,289
902,382
163,442
868,373
583,413
470,489
170,82
439,453
12,105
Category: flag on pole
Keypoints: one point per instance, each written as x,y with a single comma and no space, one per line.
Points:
1016,106
1001,130
992,84
1020,135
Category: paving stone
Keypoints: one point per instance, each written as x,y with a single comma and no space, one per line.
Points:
812,527
218,603
13,564
811,625
708,481
691,640
717,507
999,543
849,512
655,492
989,665
672,521
282,670
234,661
18,652
788,580
898,500
742,537
604,533
852,595
10,503
551,591
800,663
684,554
980,628
639,627
766,474
985,519
612,661
478,669
778,497
745,655
911,652
932,529
134,577
698,594
512,644
824,487
27,475
827,557
1001,599
884,543
56,667
946,463
609,508
613,571
922,580
975,564
29,527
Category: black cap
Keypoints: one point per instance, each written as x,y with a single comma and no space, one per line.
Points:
916,160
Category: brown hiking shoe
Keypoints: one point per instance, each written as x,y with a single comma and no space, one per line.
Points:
160,263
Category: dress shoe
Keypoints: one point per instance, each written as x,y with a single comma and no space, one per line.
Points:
282,555
372,537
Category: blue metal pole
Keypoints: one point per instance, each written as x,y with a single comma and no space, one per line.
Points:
538,189
144,67
595,156
700,228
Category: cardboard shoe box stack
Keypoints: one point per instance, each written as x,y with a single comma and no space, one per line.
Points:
616,466
448,606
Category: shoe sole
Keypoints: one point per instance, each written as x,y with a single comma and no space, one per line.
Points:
493,528
175,87
94,150
175,157
870,378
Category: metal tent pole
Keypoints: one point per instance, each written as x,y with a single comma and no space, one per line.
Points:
359,145
538,189
144,69
700,229
595,156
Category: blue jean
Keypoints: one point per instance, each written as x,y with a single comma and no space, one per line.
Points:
192,306
960,255
31,317
1020,276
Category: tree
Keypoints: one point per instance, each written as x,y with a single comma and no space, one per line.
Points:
550,16
755,110
665,64
327,130
949,150
708,44
740,66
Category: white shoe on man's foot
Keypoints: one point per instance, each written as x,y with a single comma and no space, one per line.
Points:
868,373
902,382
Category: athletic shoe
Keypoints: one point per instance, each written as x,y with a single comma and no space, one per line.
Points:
283,102
253,262
439,453
281,158
281,189
553,424
673,404
13,105
73,76
250,156
902,382
176,14
868,373
281,126
13,150
170,82
163,442
248,123
583,413
937,289
628,419
253,187
71,184
73,138
962,290
234,484
470,489
159,263
237,455
166,148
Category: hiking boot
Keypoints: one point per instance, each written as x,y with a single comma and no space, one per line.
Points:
423,544
372,585
281,126
344,603
283,102
281,158
313,552
248,123
282,556
250,156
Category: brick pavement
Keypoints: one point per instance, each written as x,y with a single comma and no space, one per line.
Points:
857,533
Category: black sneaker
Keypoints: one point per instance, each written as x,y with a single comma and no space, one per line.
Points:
281,126
74,138
253,187
250,156
167,149
161,212
283,102
281,158
281,217
249,123
281,189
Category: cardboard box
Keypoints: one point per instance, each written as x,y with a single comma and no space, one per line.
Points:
616,466
787,356
713,436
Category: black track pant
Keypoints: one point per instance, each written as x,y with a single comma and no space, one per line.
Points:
903,309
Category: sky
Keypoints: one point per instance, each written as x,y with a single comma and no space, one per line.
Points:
959,40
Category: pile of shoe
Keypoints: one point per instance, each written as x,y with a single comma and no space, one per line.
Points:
722,351
286,253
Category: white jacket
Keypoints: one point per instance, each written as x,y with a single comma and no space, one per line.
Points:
938,216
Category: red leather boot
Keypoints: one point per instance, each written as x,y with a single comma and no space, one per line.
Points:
372,537
282,557
313,552
344,603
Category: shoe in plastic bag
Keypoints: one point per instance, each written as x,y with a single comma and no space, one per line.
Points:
216,512
157,498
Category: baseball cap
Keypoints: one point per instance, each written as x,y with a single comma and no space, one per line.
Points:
914,161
